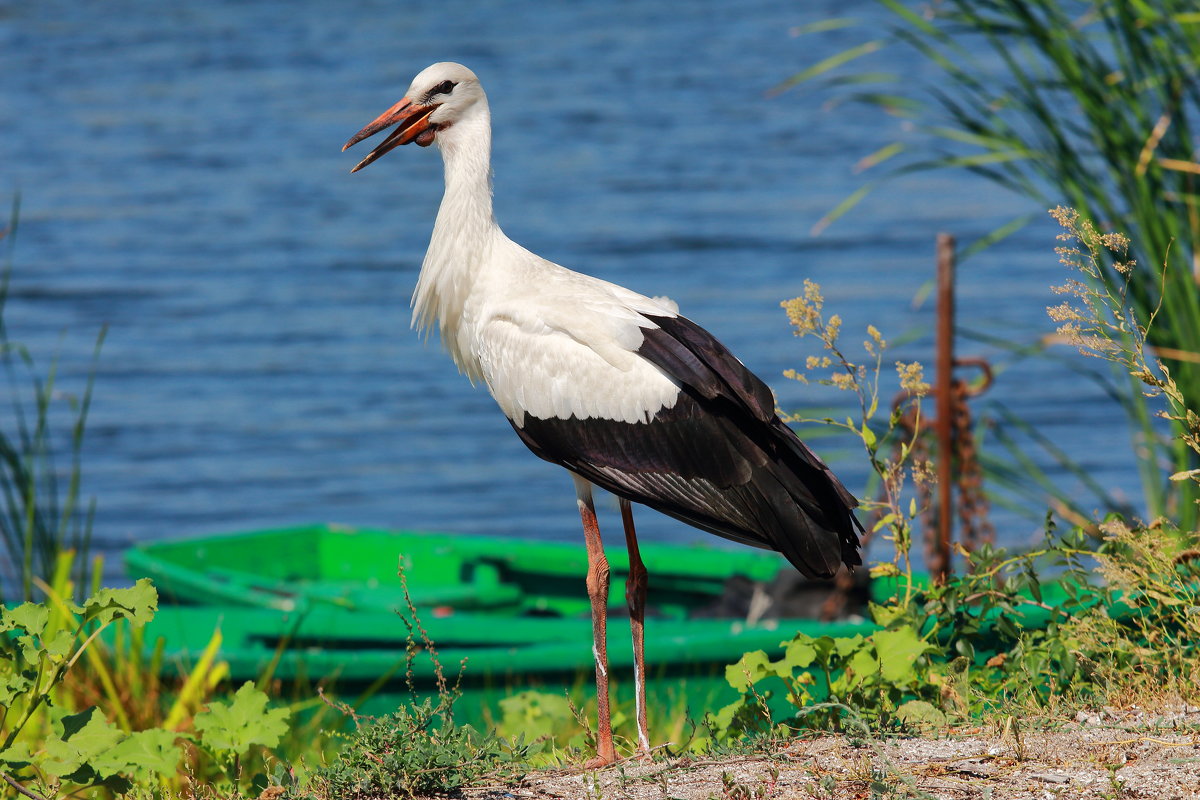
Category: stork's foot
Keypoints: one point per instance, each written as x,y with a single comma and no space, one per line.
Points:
643,756
600,762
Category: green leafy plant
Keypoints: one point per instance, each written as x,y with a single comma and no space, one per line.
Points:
885,676
418,749
228,730
47,750
41,645
414,751
1116,624
1117,621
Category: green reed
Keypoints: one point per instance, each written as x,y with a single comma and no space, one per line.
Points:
1093,105
41,513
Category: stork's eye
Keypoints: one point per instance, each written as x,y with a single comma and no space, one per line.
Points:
445,87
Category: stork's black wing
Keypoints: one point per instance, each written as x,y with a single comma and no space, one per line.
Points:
719,458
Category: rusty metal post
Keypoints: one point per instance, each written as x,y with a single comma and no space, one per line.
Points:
939,560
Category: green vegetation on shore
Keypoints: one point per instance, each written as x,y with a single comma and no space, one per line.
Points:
1089,104
1034,635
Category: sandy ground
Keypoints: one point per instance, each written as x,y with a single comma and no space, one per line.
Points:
1102,755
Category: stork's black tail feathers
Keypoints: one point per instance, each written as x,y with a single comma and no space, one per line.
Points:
835,502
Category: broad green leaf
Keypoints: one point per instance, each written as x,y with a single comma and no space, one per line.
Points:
723,719
17,754
136,603
845,645
61,645
921,714
884,615
29,617
800,653
30,648
142,755
753,664
898,651
85,737
235,727
15,685
862,665
824,646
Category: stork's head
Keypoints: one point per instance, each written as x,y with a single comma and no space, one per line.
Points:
440,96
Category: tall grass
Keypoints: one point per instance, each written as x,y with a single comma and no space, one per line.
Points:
41,513
1088,104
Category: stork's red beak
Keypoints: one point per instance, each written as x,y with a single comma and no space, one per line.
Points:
414,127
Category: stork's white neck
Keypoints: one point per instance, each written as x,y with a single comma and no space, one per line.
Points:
464,233
467,154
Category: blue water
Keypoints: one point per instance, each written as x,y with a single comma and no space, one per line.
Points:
181,183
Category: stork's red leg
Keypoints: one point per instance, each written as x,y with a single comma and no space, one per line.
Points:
597,586
635,596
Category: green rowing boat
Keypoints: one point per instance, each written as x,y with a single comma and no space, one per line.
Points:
323,600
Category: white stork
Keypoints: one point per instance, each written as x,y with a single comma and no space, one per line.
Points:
616,387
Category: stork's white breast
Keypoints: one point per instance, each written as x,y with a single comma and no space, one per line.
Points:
568,347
